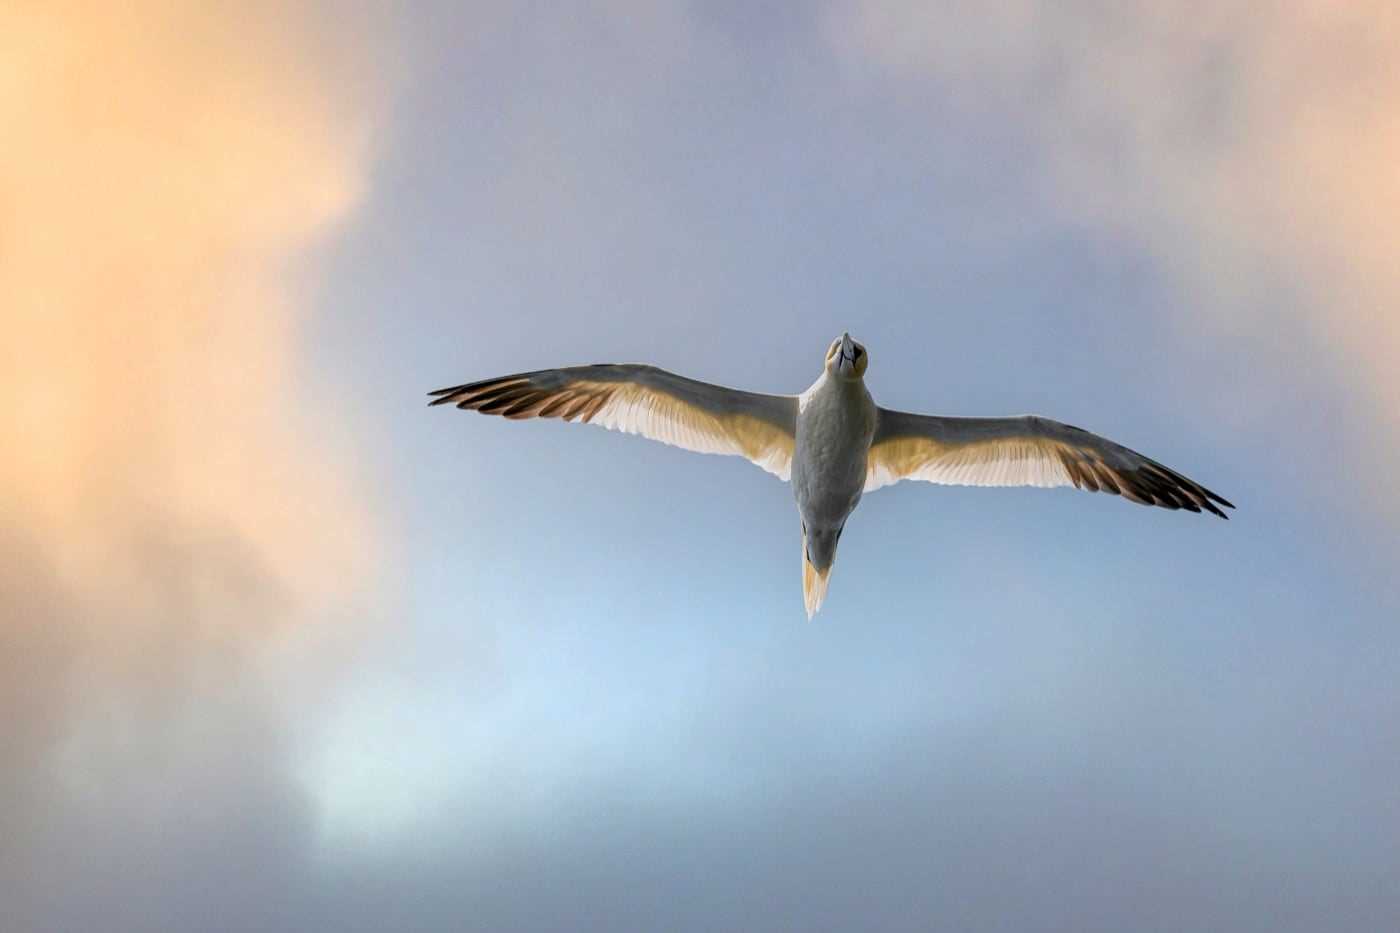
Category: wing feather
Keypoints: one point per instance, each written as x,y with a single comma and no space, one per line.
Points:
638,399
1024,451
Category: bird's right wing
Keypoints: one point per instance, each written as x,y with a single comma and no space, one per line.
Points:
1024,451
638,399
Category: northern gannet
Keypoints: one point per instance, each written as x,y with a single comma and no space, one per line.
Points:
833,441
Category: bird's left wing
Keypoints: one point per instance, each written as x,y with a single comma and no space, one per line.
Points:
638,399
1023,451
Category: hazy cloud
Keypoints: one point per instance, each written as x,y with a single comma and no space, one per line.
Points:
170,516
1029,713
1250,147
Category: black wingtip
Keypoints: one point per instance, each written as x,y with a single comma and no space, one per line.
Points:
1215,498
443,396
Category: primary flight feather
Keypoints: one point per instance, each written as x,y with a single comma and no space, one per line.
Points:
832,441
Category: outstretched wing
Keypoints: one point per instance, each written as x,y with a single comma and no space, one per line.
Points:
1024,451
638,399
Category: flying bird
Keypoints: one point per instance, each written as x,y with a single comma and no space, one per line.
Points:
832,441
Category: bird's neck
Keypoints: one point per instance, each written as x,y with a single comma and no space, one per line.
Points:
829,386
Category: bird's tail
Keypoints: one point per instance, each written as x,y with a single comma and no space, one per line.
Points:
813,583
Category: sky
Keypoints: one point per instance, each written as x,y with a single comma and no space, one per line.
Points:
283,649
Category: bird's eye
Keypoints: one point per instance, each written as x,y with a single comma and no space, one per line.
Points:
860,351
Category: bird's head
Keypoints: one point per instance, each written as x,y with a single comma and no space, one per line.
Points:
846,359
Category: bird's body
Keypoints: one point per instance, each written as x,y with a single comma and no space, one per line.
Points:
835,425
833,441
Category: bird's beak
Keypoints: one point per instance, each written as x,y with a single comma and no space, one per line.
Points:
848,353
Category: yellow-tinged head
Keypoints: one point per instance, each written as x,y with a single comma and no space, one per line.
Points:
846,359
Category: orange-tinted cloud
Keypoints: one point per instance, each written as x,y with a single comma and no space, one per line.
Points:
162,165
165,507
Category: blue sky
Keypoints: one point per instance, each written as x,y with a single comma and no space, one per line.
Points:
436,670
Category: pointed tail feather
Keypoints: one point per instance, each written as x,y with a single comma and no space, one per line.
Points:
813,584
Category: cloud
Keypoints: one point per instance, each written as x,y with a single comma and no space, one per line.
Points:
1250,148
176,536
172,522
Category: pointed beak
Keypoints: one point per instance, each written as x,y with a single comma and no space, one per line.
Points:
847,359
